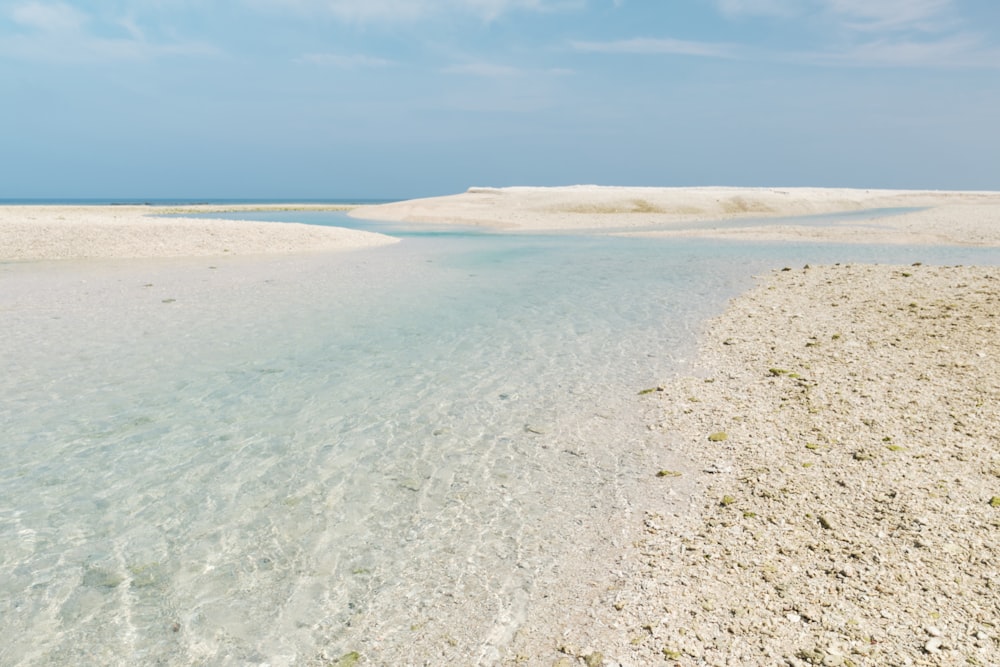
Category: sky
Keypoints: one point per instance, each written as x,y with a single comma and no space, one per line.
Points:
321,99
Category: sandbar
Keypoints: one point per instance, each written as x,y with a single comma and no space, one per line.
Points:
59,232
906,216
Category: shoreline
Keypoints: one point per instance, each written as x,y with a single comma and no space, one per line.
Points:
31,232
63,232
848,480
863,353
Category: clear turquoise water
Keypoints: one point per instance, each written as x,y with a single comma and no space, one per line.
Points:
392,451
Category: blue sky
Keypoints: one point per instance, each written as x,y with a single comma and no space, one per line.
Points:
404,98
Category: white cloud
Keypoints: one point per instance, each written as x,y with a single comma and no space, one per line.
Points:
361,11
905,33
497,71
882,15
57,32
873,33
489,70
736,8
663,46
54,18
342,61
958,51
866,15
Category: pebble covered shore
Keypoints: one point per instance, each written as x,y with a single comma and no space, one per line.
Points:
843,426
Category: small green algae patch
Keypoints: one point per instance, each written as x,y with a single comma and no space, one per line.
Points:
668,473
995,501
727,500
347,660
718,436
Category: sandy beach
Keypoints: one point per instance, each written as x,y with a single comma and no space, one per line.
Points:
932,217
824,486
841,427
960,218
117,232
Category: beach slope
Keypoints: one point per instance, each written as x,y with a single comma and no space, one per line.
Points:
843,426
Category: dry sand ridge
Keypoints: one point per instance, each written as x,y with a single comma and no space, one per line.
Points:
88,232
962,218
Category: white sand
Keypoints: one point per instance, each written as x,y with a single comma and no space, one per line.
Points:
847,517
964,218
850,515
86,232
64,232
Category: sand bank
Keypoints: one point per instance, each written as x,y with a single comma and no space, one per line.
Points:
844,427
948,217
83,232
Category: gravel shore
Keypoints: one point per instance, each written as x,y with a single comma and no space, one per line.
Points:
843,429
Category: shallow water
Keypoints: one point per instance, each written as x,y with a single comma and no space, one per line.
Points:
393,451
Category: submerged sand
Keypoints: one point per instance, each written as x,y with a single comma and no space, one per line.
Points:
106,232
958,218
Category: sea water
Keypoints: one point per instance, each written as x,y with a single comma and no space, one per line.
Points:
397,451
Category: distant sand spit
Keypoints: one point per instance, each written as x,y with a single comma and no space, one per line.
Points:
939,217
92,232
946,217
